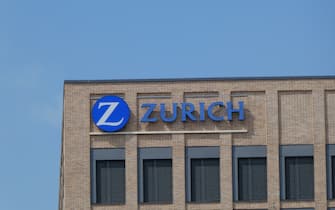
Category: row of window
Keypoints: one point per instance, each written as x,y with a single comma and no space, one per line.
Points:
202,170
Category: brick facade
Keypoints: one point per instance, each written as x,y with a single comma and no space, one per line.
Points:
279,111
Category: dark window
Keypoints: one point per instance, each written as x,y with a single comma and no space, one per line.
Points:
110,181
331,171
157,180
333,175
299,176
298,209
205,180
252,179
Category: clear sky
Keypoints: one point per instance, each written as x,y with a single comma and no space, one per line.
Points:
43,43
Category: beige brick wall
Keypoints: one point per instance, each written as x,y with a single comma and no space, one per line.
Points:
296,117
296,111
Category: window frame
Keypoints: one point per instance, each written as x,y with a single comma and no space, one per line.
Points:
302,150
152,153
245,152
200,153
104,154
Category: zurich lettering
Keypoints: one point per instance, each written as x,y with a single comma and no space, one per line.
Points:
111,113
188,111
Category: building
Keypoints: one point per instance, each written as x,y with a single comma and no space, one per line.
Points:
210,143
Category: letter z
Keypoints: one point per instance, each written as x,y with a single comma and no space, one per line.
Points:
146,116
108,113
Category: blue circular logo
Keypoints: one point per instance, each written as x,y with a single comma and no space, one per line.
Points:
110,113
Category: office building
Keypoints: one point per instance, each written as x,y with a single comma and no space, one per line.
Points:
207,143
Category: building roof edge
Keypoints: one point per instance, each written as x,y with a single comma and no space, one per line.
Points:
199,79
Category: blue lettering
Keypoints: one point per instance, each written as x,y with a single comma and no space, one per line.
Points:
231,110
202,111
187,112
174,113
210,111
146,116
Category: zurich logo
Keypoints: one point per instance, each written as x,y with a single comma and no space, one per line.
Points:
110,113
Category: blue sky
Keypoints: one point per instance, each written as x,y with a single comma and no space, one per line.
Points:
43,43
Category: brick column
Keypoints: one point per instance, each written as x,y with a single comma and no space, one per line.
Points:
131,172
76,149
226,174
178,152
131,155
320,177
273,172
226,180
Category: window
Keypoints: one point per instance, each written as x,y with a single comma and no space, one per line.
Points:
333,175
157,180
331,171
297,172
249,173
110,181
155,175
299,209
299,176
108,176
252,179
203,174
